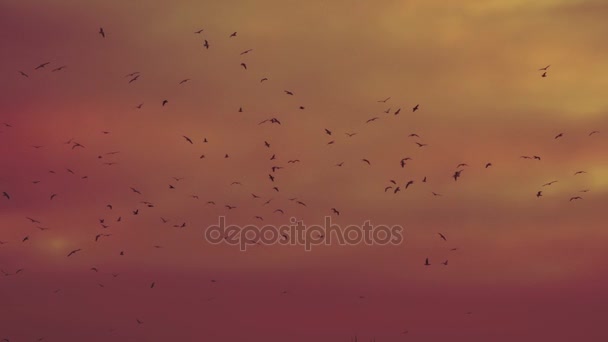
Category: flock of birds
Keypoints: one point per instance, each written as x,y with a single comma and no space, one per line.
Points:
105,224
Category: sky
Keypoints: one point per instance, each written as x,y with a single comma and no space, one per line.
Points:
519,266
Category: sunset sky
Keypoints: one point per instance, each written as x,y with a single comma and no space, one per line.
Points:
521,267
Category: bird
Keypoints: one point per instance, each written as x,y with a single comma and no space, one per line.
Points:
42,65
544,74
575,198
372,119
415,108
23,74
539,194
199,31
187,139
442,237
421,145
263,79
74,252
579,172
335,211
206,44
59,68
5,194
545,68
384,101
457,175
288,92
184,81
549,183
593,132
165,102
426,262
409,183
327,131
559,135
366,161
102,32
233,34
246,51
488,165
244,66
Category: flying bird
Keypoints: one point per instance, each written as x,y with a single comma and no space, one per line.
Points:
457,175
102,32
74,252
545,68
187,139
42,65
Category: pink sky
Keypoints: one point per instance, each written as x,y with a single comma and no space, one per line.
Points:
525,269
